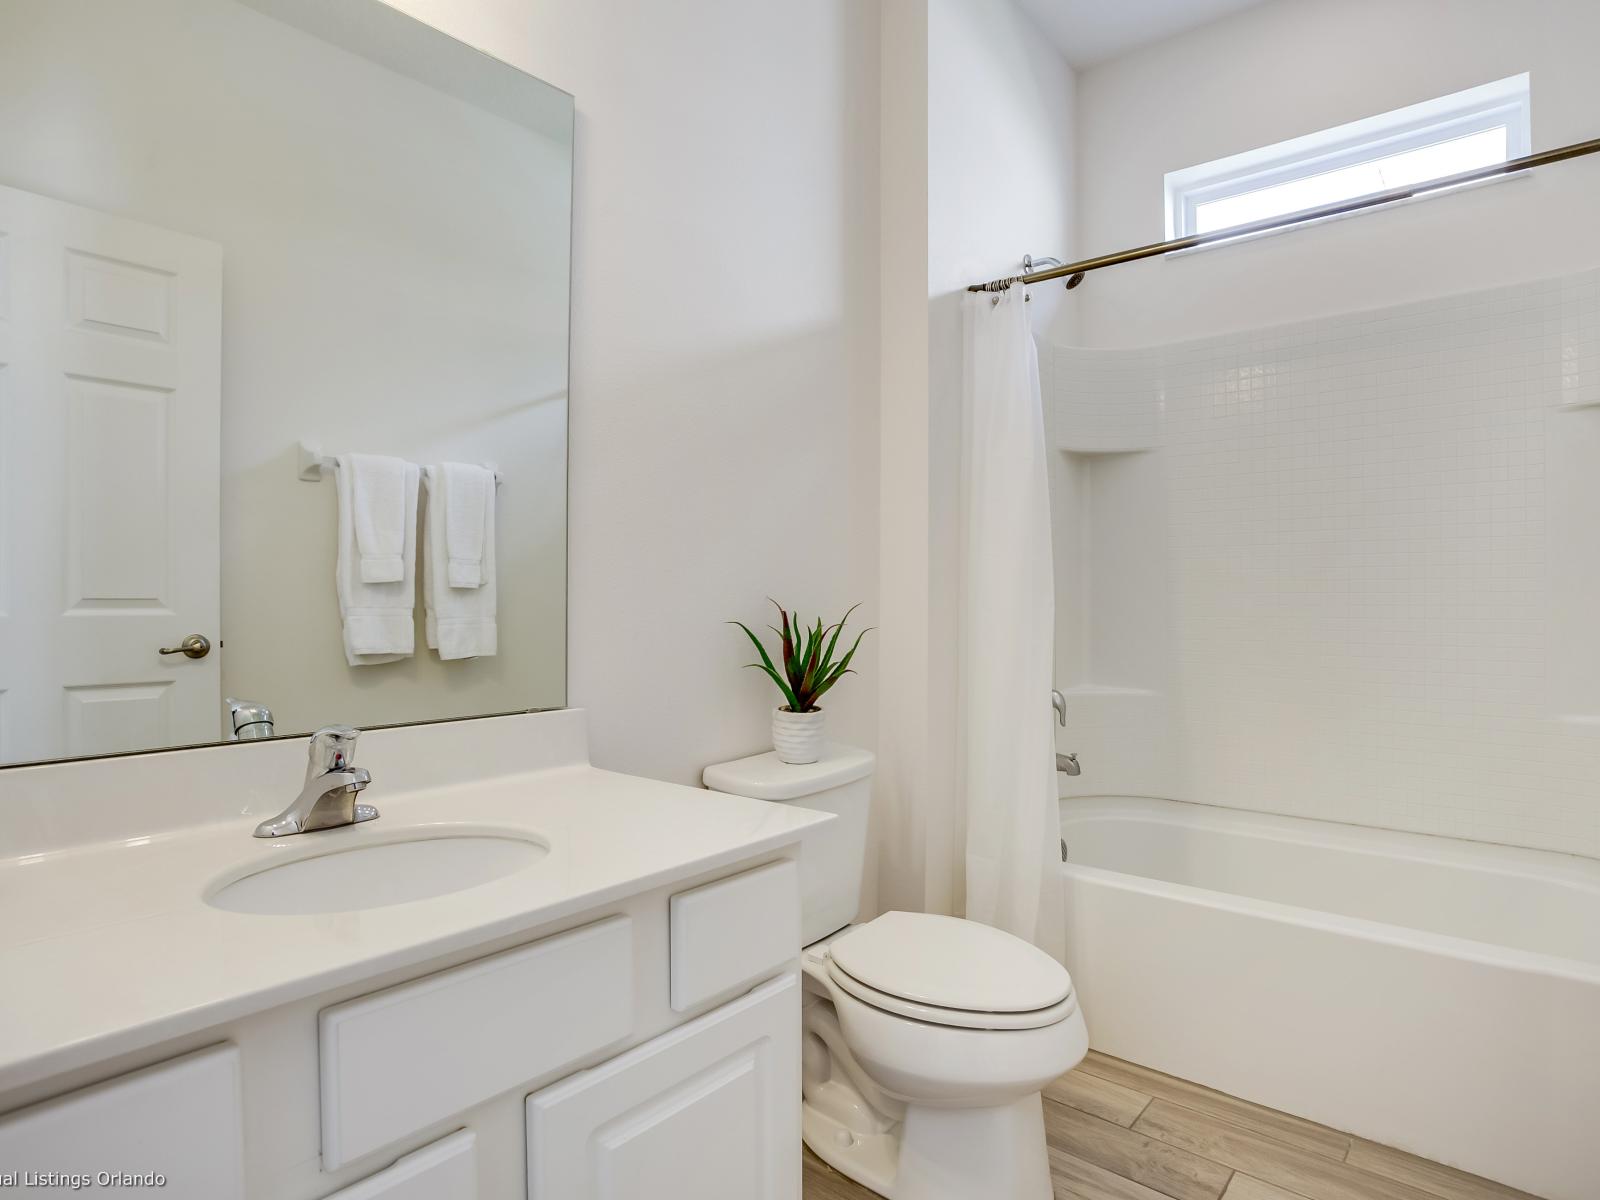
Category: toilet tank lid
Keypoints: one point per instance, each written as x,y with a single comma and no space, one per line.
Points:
767,777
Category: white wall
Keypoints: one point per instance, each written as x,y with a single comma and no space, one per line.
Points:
1293,67
897,859
724,355
395,281
997,185
1342,582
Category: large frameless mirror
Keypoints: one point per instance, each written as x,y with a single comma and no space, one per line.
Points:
283,374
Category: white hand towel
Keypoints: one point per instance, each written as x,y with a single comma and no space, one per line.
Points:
377,489
379,618
460,622
468,520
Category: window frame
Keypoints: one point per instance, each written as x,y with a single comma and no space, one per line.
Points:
1505,102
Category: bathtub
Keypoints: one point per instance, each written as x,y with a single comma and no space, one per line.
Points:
1439,996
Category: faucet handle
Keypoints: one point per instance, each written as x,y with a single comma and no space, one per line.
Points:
1059,703
332,748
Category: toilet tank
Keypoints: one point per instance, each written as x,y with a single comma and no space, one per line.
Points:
831,854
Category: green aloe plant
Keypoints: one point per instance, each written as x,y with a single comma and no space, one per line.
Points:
809,665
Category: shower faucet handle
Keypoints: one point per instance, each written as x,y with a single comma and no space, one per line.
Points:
1059,703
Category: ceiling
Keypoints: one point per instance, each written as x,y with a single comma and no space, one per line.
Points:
1091,31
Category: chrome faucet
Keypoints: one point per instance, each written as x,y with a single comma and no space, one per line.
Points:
328,799
247,720
1066,764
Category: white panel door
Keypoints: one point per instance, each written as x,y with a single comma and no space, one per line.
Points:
110,419
710,1111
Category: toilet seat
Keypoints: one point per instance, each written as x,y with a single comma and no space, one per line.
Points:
957,1018
948,971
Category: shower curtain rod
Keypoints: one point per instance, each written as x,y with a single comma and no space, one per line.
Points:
1074,272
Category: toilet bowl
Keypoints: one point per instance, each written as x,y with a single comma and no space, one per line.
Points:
927,1039
916,1090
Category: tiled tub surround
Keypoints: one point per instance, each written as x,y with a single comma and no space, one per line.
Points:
1349,568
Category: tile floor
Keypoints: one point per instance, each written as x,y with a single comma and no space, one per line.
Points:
1118,1131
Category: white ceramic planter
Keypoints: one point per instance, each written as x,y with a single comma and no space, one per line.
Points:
797,737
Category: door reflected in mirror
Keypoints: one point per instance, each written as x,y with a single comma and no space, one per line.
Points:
283,374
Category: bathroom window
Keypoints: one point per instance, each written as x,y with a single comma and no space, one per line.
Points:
1461,132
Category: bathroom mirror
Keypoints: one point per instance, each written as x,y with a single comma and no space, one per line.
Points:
240,239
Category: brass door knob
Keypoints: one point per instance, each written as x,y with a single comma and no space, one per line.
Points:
193,646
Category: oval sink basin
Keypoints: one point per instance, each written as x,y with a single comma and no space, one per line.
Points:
378,874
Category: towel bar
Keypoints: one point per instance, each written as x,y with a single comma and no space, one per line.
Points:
316,466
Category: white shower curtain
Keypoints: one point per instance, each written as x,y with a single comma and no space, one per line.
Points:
1007,622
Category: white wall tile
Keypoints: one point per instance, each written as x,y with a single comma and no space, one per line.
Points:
1375,593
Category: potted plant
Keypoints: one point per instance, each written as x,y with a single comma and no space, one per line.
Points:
809,670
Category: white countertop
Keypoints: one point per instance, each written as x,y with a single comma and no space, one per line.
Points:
109,947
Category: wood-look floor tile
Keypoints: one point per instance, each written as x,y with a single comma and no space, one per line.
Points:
1242,1187
1263,1158
1268,1121
1445,1182
819,1181
1077,1179
1187,1142
1173,1170
1099,1097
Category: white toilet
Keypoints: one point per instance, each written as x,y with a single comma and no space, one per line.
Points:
927,1038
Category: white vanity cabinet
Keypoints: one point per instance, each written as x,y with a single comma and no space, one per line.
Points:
709,1111
648,1049
619,1018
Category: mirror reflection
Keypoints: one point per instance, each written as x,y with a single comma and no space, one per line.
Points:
283,374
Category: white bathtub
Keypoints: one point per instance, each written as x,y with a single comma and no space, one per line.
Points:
1435,995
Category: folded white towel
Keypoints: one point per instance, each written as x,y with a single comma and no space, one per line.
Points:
379,618
460,622
468,521
378,506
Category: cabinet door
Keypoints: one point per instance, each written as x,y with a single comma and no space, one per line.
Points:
710,1111
178,1122
405,1058
732,933
445,1170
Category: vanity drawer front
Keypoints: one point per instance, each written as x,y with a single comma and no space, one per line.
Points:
446,1170
400,1060
711,1109
734,932
178,1119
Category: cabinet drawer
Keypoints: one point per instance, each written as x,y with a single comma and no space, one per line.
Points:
179,1120
734,932
446,1170
400,1060
710,1110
